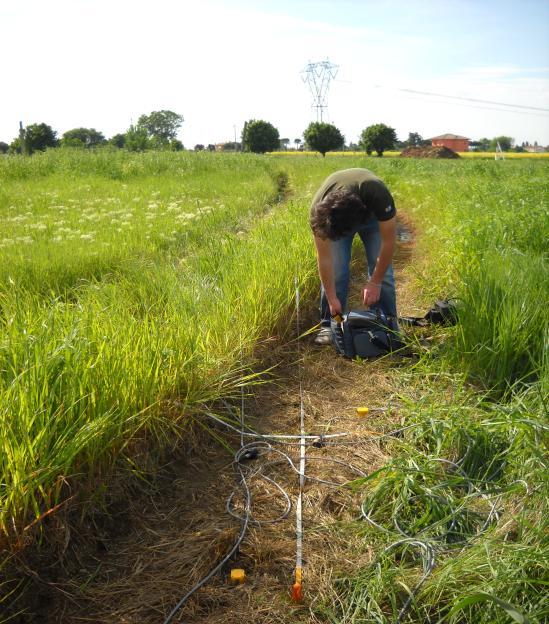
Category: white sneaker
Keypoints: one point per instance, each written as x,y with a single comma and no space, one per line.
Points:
324,336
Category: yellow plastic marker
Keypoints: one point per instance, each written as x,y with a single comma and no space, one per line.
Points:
238,575
362,411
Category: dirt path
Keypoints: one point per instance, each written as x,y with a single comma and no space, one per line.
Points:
172,535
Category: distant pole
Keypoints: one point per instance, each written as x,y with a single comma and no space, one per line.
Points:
499,152
22,139
235,146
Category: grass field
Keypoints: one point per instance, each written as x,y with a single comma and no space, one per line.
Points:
133,289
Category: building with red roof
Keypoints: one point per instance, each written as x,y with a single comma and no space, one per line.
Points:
453,141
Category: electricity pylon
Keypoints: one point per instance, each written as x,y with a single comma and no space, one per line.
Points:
318,77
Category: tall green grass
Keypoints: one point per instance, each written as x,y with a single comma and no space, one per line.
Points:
490,250
98,336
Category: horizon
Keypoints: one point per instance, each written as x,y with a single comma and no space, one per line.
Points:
471,69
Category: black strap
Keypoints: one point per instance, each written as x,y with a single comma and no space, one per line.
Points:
417,321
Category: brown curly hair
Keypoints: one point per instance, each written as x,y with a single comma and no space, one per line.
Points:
338,214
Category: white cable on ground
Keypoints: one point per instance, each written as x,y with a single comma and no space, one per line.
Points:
297,592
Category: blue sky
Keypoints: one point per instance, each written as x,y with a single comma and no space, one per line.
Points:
486,31
102,63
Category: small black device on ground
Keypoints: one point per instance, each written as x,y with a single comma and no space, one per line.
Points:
443,312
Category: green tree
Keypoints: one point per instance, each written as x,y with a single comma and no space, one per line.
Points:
297,143
482,145
118,140
137,139
15,146
414,140
378,138
82,137
161,125
230,146
323,137
284,144
4,147
505,142
259,136
37,137
199,147
176,145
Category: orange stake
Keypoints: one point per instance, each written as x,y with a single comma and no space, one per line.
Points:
297,592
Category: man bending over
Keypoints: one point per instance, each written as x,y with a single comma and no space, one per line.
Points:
349,202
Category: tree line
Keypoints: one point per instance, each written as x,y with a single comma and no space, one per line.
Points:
158,130
261,136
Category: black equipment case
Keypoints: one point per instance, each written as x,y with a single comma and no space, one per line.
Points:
365,334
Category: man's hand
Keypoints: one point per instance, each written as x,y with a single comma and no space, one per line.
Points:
371,294
335,306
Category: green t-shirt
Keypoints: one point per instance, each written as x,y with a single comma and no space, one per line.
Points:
375,195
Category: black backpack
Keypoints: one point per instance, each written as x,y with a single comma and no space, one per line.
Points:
365,334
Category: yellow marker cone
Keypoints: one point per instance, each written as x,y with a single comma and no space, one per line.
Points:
362,411
238,575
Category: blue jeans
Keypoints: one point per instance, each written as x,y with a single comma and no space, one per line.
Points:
341,254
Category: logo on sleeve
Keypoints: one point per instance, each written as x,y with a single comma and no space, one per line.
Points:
389,208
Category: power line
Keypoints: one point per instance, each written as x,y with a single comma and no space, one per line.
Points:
476,107
467,99
544,111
